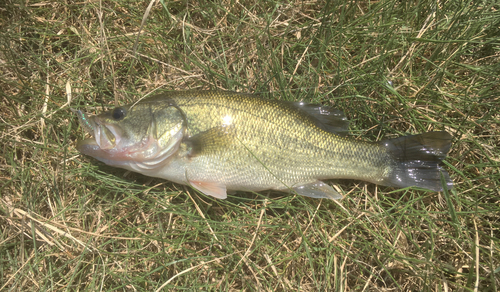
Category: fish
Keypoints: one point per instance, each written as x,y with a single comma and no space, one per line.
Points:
220,141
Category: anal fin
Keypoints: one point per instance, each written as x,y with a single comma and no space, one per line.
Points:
318,190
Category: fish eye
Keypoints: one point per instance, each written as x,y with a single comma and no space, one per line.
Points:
118,113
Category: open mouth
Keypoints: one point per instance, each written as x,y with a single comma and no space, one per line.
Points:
105,137
113,145
108,145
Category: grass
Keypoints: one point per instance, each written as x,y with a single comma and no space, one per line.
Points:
69,223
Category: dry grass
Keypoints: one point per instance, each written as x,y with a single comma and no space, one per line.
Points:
70,223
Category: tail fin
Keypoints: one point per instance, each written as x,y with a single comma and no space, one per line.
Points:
417,161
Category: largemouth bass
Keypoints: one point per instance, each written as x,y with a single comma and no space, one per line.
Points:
223,141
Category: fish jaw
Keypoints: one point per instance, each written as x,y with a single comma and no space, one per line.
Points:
90,147
144,156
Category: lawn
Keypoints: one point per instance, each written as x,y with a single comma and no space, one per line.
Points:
70,223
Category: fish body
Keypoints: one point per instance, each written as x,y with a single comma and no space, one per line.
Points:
223,141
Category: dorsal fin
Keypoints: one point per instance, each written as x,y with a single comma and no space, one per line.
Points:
327,118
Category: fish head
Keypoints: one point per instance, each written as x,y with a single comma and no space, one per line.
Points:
138,137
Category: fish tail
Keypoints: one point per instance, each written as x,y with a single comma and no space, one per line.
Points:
417,161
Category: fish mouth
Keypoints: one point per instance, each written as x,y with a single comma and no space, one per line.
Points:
106,136
103,135
108,144
105,140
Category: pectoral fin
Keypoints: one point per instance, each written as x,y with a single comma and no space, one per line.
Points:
213,189
318,190
211,141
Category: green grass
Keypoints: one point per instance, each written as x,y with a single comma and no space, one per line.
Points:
69,223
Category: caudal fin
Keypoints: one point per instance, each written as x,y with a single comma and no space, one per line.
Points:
417,161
